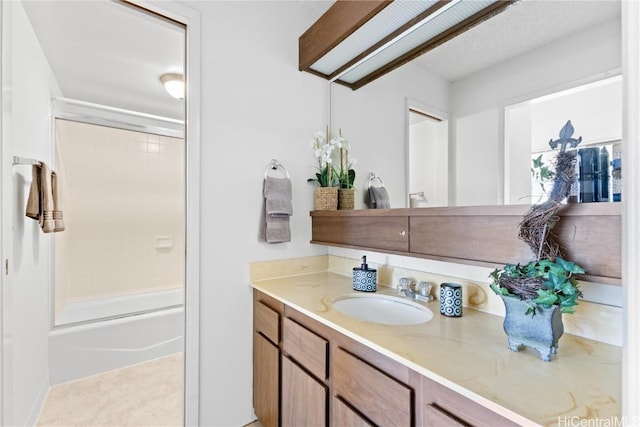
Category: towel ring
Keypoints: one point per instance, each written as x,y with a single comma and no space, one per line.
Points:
275,165
374,177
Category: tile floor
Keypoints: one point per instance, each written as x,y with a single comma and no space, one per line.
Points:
146,394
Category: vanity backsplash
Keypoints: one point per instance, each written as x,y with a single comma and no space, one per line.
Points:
593,321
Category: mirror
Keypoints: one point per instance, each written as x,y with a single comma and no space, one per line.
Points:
97,306
532,49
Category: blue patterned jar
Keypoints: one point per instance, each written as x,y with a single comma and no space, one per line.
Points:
451,299
365,278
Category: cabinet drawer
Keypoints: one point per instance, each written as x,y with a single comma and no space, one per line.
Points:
377,232
307,348
343,415
384,400
466,412
434,416
266,321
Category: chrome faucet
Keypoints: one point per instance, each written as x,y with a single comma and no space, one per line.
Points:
407,288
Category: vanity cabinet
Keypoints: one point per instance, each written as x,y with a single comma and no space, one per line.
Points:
309,374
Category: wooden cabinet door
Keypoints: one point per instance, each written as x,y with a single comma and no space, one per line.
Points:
304,400
376,232
266,377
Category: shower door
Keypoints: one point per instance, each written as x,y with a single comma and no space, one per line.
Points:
122,252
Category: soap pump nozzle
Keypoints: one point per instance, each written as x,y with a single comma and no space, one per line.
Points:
364,265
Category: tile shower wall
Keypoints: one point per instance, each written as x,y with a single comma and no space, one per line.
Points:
123,202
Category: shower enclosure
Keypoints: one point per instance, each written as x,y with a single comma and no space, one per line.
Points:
123,248
119,266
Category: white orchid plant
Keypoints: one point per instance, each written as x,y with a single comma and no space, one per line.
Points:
325,150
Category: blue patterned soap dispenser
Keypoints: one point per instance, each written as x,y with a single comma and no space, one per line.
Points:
365,278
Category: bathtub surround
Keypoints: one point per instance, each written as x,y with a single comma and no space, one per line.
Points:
82,350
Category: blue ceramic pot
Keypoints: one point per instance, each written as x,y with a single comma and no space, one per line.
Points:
540,332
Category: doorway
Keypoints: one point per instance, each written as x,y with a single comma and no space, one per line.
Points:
427,158
29,75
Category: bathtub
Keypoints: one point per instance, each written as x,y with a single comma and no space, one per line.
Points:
82,349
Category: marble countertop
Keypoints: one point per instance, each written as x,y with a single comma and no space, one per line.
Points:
470,355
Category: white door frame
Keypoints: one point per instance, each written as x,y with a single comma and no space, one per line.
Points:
191,19
2,224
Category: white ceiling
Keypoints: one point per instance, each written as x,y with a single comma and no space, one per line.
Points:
110,54
526,25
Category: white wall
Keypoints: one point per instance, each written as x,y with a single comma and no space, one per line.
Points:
28,85
478,102
249,70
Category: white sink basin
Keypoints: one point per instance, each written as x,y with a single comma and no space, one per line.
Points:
384,309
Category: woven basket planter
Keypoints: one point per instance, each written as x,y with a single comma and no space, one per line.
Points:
346,198
326,199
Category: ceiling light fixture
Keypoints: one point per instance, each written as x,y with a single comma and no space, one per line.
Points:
354,43
173,84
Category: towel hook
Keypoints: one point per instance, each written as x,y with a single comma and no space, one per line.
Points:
275,165
374,177
24,161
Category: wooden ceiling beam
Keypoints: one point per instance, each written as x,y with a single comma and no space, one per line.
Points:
338,22
346,16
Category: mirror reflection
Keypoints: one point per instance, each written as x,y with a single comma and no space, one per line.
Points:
526,54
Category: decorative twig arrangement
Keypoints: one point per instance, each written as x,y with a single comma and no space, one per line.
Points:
536,225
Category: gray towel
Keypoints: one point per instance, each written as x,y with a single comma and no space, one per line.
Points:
378,198
277,193
276,210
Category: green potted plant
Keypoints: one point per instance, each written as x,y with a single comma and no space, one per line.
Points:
540,284
535,296
537,293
